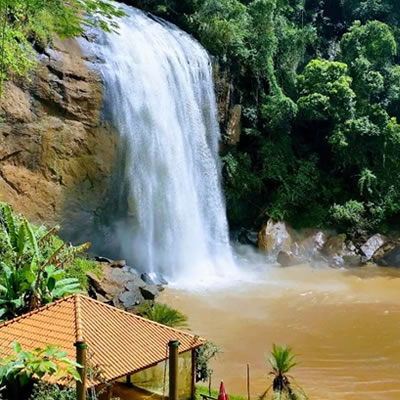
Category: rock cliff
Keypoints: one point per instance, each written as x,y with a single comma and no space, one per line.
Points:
55,155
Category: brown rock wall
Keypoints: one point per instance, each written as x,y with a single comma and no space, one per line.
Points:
53,147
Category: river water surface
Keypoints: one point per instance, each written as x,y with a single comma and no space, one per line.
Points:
343,324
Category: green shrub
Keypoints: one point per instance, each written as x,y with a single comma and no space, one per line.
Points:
351,213
45,391
79,268
19,370
162,314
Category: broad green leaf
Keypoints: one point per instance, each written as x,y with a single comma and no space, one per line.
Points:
32,239
51,283
16,347
74,373
21,240
10,224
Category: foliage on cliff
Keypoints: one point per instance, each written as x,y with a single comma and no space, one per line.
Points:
29,24
36,267
320,86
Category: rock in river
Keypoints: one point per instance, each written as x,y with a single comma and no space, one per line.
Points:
370,247
287,259
274,237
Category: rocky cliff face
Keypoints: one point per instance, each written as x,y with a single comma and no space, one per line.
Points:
229,109
55,156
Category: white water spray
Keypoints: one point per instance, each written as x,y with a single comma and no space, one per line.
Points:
160,97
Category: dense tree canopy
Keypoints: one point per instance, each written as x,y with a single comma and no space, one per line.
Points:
320,86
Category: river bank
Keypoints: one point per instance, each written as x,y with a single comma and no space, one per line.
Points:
343,324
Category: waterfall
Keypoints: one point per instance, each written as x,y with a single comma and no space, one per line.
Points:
159,96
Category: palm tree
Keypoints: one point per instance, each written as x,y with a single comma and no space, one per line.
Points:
162,314
282,360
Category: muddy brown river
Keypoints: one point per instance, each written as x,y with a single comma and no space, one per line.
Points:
344,325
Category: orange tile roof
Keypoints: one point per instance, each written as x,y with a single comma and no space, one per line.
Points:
119,343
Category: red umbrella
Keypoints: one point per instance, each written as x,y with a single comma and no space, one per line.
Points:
222,395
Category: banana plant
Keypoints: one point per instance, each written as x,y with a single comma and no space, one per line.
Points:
11,293
32,265
54,284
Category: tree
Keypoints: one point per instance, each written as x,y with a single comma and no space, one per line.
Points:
282,361
204,354
325,92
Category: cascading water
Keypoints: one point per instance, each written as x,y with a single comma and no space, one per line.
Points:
160,97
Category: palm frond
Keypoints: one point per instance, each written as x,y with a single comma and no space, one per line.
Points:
163,314
282,359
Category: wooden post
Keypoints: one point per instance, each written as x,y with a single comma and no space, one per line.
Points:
81,347
248,382
193,388
173,369
109,392
128,381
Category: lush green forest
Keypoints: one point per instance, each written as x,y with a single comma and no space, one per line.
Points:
320,85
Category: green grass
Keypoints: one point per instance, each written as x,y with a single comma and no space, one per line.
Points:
214,393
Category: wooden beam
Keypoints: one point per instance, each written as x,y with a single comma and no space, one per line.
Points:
193,377
81,348
173,369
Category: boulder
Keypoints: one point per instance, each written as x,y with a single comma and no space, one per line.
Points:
118,275
335,245
105,287
388,255
118,264
371,246
286,259
103,259
147,278
135,282
340,253
159,281
312,242
149,292
275,237
131,298
120,287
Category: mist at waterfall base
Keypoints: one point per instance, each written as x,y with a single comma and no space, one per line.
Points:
159,97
